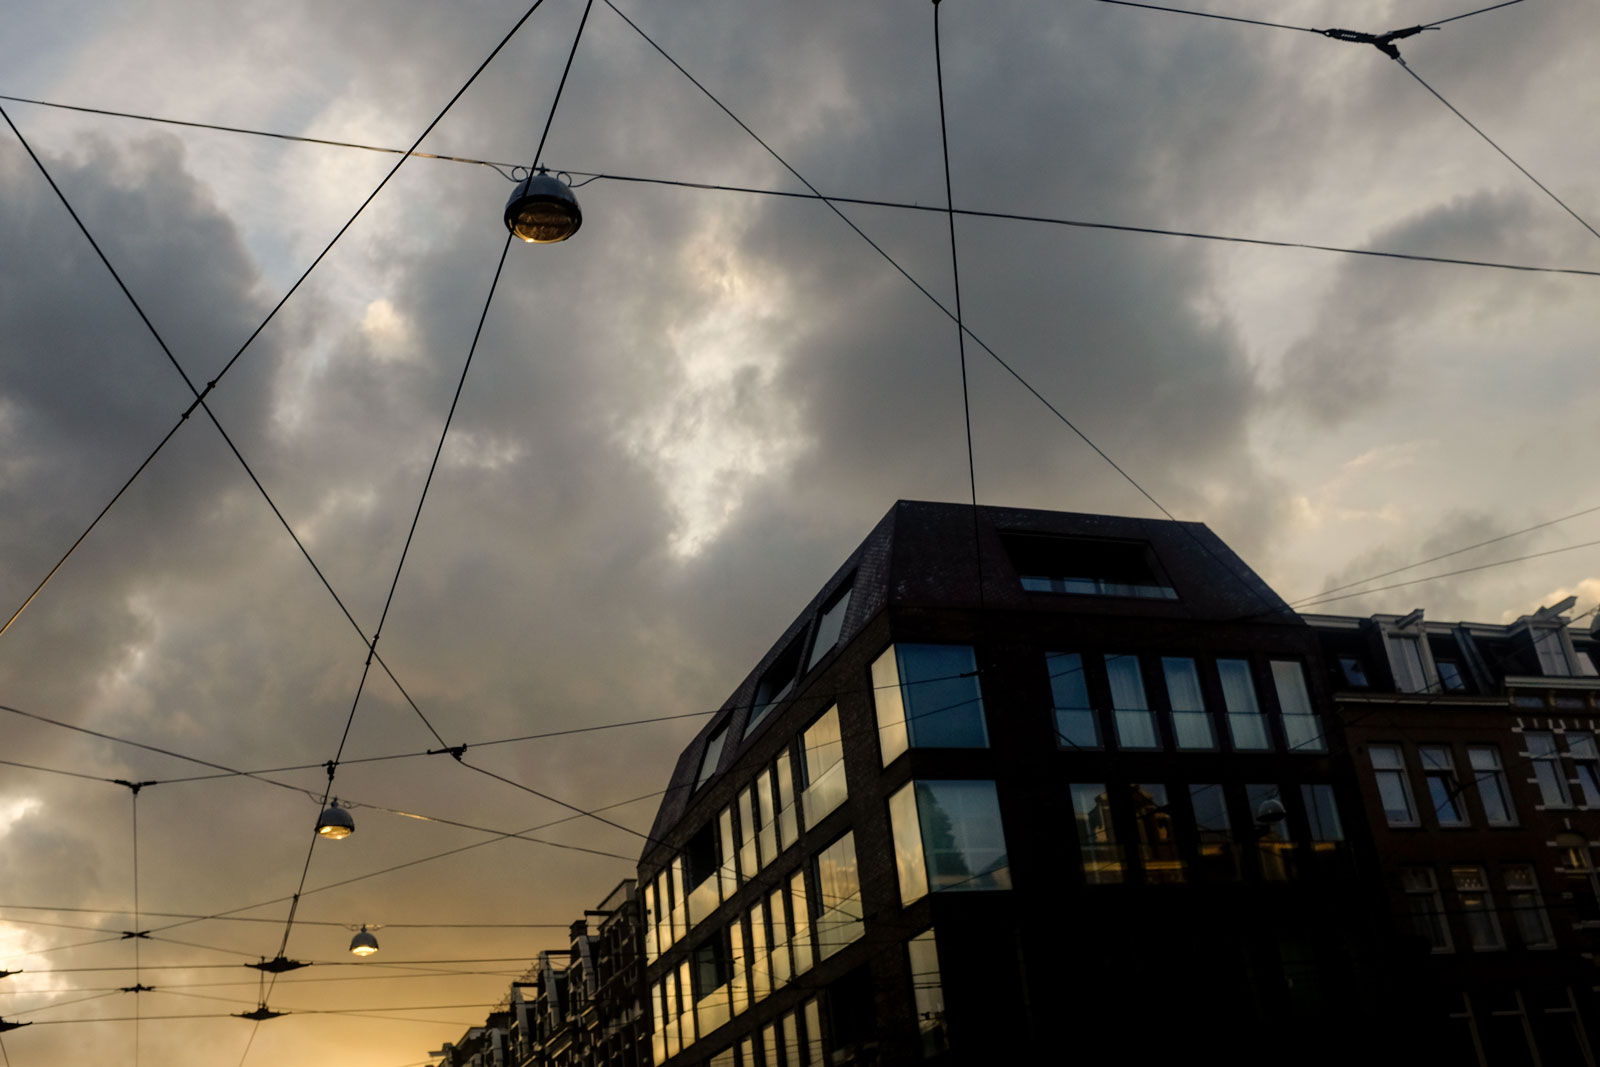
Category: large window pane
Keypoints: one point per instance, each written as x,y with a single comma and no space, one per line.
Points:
839,897
1218,849
928,992
829,625
910,862
1191,723
822,766
713,753
1527,908
1136,726
1245,722
1097,837
943,705
1075,725
1158,844
802,922
1300,726
1426,906
1273,846
890,708
948,837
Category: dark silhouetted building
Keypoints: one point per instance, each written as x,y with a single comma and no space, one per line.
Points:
1475,749
1021,786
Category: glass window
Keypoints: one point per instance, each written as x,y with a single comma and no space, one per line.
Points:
927,696
760,963
838,897
780,938
829,625
739,984
1300,726
1273,846
728,869
1547,768
1552,652
948,837
1405,659
775,685
791,1039
928,991
748,861
1218,851
1439,769
1245,722
1322,813
1389,769
1585,765
711,977
1493,790
1450,675
1355,675
1158,845
813,1015
1075,725
1527,908
1477,909
1136,726
769,1042
1097,837
788,821
1087,566
1426,907
1191,723
713,753
767,830
822,767
802,922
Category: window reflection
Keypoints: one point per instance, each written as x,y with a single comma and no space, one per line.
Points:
928,993
1097,838
1075,725
822,767
1191,723
1245,722
927,696
1274,849
1218,851
948,838
1136,726
1158,845
838,897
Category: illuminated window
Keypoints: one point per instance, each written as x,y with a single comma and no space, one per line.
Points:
948,838
1097,835
928,993
838,897
822,767
1158,844
927,696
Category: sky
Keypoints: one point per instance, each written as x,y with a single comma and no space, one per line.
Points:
678,423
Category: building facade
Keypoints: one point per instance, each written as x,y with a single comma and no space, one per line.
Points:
1020,784
1475,751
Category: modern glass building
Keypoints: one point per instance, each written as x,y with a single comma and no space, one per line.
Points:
1019,784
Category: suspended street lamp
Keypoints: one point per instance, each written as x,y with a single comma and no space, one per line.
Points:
1271,811
363,944
335,823
542,209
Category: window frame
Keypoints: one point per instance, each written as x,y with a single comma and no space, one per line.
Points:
1401,777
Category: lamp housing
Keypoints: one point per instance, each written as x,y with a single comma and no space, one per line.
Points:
542,210
363,944
335,823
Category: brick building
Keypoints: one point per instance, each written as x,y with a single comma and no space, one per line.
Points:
1020,783
1475,750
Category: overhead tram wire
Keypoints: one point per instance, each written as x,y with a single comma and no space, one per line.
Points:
1047,220
253,335
961,329
1444,555
1285,26
428,483
1490,142
1318,601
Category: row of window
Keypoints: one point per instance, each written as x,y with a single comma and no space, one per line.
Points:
1189,722
1139,832
1565,766
1475,904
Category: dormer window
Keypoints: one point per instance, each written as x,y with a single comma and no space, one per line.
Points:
1088,566
1410,660
777,683
1547,629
